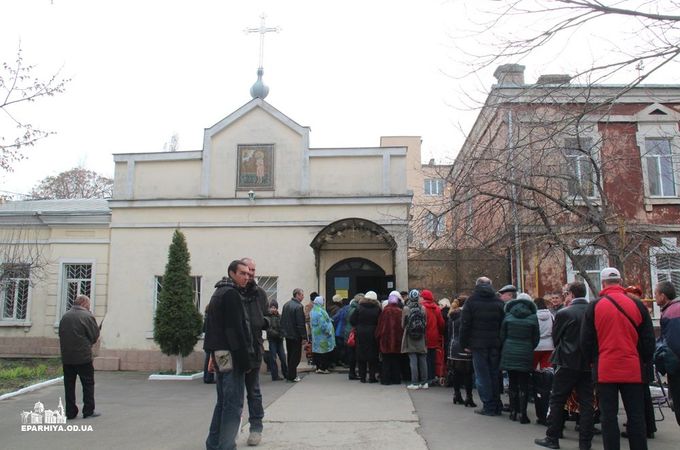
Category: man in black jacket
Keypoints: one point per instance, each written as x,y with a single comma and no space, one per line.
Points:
294,330
480,329
228,329
78,332
572,370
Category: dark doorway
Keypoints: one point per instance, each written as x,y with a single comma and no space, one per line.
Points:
354,275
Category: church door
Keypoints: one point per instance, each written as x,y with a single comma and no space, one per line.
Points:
350,276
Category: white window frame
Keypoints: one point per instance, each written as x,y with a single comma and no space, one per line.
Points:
658,127
657,161
668,246
61,307
592,141
435,224
586,250
26,321
437,184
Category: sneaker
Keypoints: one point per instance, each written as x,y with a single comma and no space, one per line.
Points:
318,371
547,442
413,386
254,438
424,386
325,372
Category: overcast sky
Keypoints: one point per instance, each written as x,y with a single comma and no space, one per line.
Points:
142,70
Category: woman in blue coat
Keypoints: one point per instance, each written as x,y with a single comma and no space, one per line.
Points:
323,336
520,334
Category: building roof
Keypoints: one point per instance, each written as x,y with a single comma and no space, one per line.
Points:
63,206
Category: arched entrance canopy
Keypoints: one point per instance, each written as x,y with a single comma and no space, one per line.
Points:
338,228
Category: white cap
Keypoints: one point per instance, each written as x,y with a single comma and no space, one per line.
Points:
610,273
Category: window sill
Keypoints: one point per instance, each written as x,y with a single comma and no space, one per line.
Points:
651,201
16,324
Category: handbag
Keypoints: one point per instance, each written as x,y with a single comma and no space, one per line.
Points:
352,339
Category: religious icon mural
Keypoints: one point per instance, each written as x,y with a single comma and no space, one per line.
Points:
255,166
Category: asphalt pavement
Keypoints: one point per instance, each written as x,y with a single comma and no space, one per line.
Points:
319,412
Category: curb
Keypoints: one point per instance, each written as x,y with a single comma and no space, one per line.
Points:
158,377
33,387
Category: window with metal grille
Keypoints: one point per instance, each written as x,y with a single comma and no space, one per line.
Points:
195,284
77,281
269,284
660,175
15,285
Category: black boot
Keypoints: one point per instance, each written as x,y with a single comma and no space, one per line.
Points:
523,401
514,405
547,442
469,401
457,398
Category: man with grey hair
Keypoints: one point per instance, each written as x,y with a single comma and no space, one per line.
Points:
480,328
78,332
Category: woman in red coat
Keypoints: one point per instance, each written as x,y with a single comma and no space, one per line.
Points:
434,332
388,334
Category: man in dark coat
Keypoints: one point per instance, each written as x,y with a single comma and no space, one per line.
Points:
257,308
228,332
572,370
480,333
294,330
78,332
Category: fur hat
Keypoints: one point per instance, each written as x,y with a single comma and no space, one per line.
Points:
445,302
337,298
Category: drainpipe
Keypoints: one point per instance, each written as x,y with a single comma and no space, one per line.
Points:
515,217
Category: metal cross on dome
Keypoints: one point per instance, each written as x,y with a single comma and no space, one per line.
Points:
262,29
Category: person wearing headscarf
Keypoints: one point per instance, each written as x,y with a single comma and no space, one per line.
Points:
389,333
413,343
351,350
323,335
520,334
459,359
365,319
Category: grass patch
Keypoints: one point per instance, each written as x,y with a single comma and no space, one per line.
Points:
19,373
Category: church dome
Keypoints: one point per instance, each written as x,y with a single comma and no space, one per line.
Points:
259,89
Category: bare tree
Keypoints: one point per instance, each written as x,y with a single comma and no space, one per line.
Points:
19,87
75,183
636,37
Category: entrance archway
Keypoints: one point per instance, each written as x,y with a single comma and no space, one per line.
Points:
354,275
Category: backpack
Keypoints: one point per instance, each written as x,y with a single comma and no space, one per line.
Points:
415,326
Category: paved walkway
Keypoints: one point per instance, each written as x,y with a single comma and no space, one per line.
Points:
320,412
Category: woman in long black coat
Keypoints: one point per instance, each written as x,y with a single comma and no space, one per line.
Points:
365,320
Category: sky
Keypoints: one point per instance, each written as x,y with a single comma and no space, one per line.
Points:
142,71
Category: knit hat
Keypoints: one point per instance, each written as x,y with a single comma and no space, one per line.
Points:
445,302
394,297
414,295
337,298
319,300
274,304
371,295
427,295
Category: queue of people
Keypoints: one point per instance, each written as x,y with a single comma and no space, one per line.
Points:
571,354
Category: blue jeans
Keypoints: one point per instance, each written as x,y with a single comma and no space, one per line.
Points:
226,418
418,364
276,349
486,362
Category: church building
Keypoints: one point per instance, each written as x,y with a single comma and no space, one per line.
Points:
331,220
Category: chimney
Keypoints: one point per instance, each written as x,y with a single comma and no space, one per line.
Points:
431,163
554,79
510,75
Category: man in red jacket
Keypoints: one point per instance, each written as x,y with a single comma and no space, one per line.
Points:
433,332
618,337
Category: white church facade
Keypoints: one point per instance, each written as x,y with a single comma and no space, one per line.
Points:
322,219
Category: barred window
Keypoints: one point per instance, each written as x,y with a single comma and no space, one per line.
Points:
195,284
77,281
270,285
15,285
